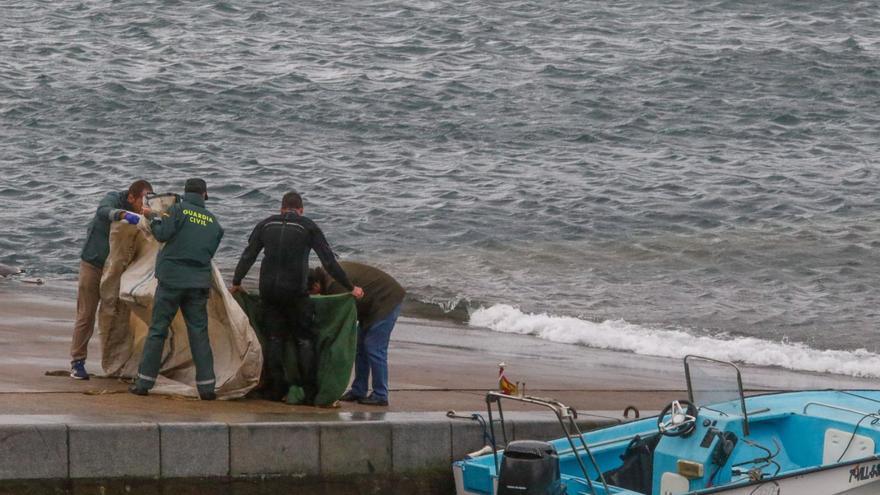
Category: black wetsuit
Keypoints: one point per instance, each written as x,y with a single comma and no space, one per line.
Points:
287,240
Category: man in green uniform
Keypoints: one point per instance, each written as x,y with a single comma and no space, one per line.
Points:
377,313
183,267
116,206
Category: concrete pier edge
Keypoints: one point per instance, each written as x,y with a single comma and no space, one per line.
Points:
61,457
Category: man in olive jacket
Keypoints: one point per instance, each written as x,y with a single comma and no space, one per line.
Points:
115,206
183,267
377,313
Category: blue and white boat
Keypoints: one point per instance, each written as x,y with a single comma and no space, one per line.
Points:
717,441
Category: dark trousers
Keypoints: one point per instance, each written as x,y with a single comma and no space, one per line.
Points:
193,304
289,319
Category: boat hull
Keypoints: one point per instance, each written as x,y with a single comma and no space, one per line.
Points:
861,478
856,479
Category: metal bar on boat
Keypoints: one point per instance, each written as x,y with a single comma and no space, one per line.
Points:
571,420
603,443
561,411
846,392
722,413
687,379
503,426
742,401
492,433
578,457
839,408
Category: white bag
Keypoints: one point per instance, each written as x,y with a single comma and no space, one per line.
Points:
127,288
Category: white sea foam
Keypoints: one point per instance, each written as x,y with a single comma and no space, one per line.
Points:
622,336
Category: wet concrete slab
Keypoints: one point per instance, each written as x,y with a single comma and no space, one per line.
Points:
435,366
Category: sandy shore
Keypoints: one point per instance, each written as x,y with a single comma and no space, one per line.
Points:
435,366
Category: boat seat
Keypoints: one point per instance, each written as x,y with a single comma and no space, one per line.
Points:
637,469
674,484
838,440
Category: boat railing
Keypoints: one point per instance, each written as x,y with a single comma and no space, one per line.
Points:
839,408
864,415
603,443
567,417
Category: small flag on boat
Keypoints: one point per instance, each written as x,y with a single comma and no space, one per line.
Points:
504,384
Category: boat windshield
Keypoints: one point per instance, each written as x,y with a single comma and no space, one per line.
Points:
715,385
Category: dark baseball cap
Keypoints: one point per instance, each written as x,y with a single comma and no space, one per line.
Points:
196,186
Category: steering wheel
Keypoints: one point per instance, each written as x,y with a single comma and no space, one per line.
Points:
682,422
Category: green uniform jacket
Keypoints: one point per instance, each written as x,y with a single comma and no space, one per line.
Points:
381,292
97,246
191,235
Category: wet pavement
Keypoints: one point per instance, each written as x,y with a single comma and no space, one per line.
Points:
435,367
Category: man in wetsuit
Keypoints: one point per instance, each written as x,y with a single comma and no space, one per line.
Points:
288,238
377,313
191,235
115,206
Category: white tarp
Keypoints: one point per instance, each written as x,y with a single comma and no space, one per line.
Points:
127,288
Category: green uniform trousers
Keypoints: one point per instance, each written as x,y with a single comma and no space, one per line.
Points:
193,304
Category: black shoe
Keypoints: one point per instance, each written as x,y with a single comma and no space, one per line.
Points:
276,394
350,397
207,395
373,401
137,390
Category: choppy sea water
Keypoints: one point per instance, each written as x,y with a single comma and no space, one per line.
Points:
654,177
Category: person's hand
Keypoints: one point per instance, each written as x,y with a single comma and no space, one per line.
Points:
146,211
132,218
358,293
234,289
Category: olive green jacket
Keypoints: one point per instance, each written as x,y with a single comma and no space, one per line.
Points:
191,235
381,292
97,246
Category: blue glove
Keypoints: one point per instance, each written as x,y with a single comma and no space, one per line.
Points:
131,218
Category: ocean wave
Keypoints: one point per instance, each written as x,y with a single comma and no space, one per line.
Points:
700,165
618,335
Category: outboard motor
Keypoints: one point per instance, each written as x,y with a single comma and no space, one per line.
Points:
529,467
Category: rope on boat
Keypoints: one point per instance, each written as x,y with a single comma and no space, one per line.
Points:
852,437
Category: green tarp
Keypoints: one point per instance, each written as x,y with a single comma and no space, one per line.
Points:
336,325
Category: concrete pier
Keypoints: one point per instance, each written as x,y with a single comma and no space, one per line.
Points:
143,457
